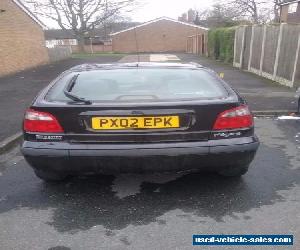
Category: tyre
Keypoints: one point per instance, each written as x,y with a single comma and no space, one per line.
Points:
234,171
50,176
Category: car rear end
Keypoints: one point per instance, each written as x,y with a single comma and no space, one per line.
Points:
138,119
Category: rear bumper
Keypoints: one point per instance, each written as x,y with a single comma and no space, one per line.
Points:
106,158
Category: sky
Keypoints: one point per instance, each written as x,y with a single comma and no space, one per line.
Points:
151,9
170,8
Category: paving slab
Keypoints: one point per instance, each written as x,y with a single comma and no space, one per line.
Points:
135,58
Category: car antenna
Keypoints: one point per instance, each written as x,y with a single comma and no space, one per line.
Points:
137,46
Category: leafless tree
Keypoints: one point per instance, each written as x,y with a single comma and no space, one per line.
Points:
219,15
80,16
256,10
276,9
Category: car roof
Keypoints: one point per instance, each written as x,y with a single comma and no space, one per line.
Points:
95,66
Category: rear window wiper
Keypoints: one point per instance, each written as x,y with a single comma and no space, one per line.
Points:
68,93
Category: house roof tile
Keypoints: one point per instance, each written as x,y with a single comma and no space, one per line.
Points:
157,20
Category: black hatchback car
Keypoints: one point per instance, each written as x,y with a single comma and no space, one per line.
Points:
138,117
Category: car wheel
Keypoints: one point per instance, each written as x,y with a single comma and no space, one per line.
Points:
234,171
50,176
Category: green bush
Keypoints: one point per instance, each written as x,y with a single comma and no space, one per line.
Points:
221,44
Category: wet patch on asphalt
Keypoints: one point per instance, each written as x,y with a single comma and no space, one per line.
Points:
130,184
59,248
116,202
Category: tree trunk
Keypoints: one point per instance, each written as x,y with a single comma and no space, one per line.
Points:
276,14
255,14
80,40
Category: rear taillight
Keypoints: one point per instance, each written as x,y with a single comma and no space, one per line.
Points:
236,118
42,122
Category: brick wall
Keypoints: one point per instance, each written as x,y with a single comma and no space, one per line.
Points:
96,48
294,17
160,36
284,13
287,17
22,43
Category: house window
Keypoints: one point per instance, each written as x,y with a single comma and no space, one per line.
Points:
59,42
72,42
293,7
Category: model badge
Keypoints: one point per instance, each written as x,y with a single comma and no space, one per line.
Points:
49,137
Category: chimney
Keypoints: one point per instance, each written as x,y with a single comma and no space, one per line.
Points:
184,17
191,16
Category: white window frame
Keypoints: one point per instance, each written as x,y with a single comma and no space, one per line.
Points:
293,8
73,42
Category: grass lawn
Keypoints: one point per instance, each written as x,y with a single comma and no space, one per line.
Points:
96,54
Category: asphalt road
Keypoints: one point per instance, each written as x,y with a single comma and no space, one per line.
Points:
17,91
159,211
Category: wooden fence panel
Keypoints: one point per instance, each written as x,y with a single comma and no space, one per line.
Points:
271,51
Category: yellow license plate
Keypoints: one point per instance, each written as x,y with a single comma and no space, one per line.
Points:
139,122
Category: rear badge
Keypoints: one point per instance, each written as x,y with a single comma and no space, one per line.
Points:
49,137
227,134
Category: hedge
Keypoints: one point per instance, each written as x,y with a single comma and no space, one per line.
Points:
221,43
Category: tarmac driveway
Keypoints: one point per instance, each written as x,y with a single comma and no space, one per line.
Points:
158,211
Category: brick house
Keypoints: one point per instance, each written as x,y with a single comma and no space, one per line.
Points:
97,40
160,35
22,42
290,11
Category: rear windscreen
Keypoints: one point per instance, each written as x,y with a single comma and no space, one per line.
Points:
140,84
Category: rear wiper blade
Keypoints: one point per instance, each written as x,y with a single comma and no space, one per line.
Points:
68,89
